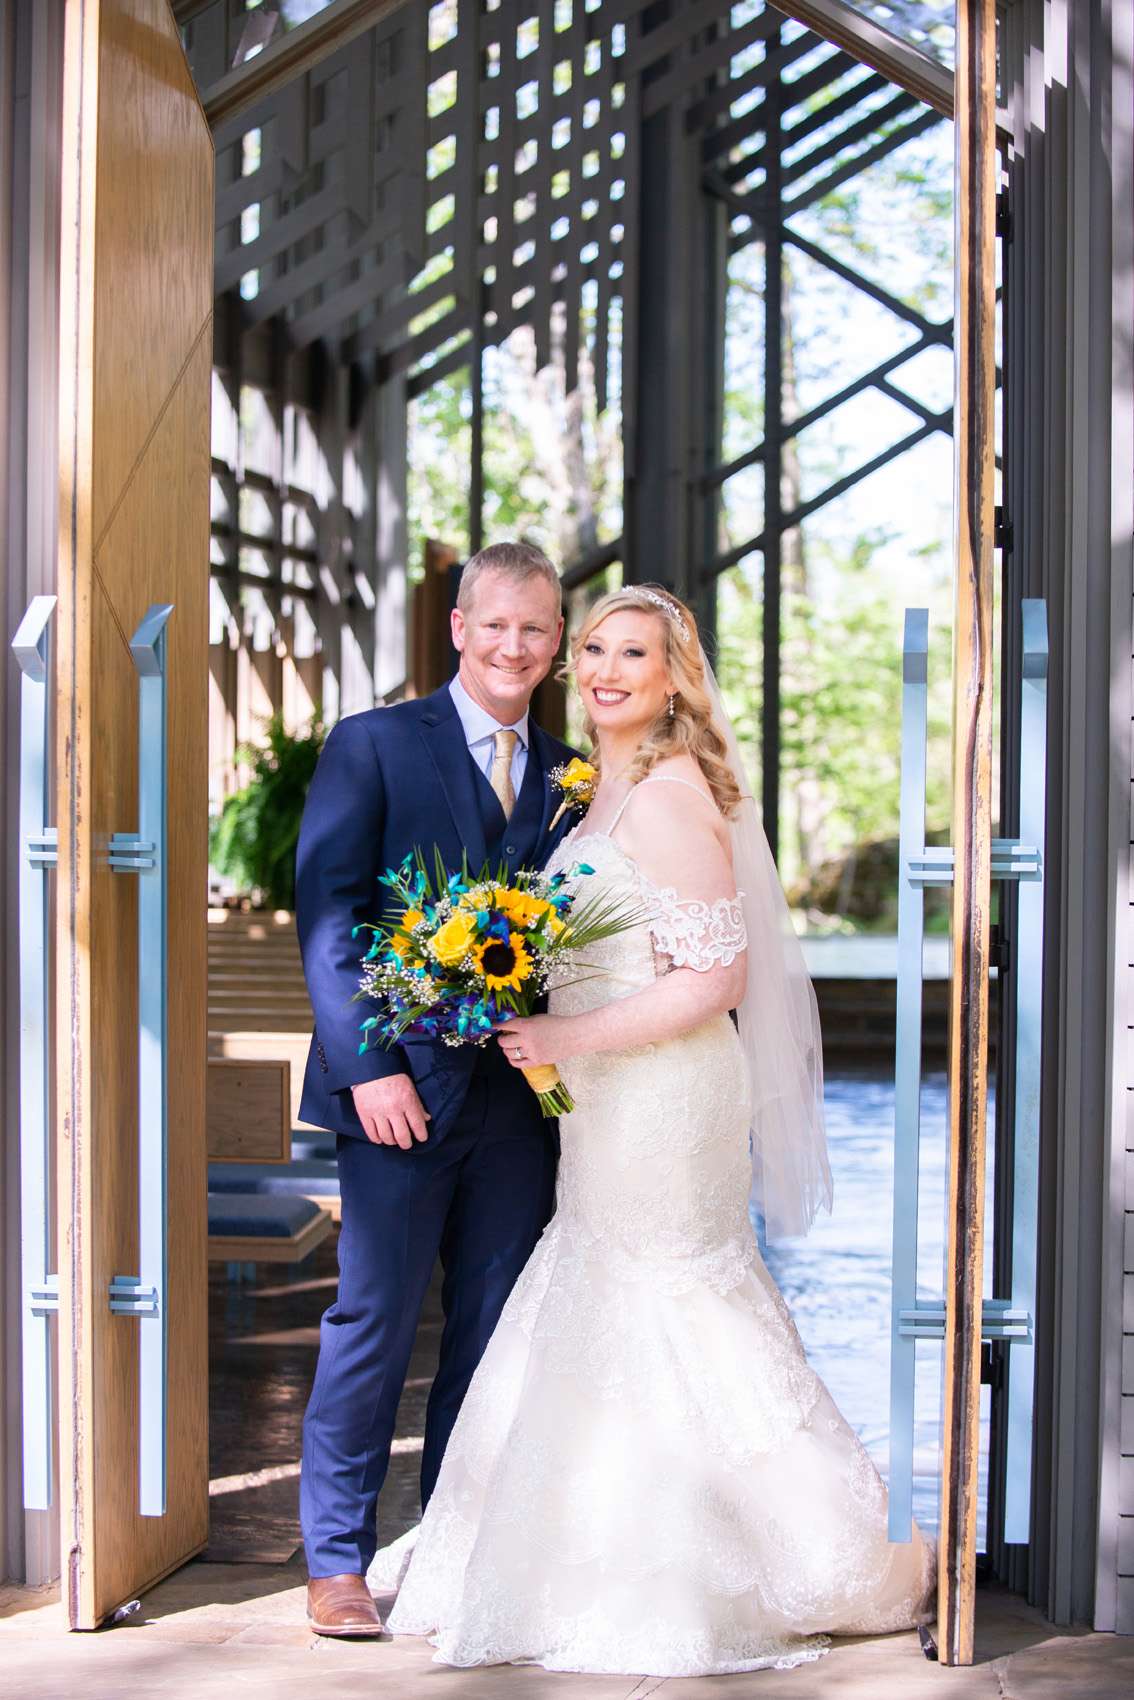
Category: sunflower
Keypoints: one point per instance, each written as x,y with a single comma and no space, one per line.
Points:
503,965
401,941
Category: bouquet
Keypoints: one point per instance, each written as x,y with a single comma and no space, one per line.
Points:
459,955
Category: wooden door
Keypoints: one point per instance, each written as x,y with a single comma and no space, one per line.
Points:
974,452
135,360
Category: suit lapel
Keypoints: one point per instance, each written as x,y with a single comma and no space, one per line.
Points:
444,738
548,757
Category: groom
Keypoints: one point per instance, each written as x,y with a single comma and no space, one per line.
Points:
440,1150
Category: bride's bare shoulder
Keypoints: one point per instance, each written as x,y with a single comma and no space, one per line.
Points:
677,840
667,811
684,768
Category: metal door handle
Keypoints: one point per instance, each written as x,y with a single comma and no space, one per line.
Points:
39,1284
1019,861
907,1066
144,853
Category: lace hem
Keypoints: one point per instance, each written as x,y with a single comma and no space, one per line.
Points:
592,1643
588,1657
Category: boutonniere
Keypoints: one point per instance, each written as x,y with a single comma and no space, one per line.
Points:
577,780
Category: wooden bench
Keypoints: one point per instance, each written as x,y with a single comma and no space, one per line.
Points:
256,973
240,1044
253,1228
248,1108
259,1031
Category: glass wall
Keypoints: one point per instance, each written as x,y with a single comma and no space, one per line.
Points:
865,470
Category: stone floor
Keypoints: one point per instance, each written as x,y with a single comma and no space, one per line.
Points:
219,1632
232,1624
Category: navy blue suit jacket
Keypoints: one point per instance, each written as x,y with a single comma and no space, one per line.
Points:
388,780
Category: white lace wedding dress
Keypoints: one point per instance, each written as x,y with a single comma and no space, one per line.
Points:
646,1477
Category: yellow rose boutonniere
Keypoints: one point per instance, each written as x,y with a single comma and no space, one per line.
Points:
578,781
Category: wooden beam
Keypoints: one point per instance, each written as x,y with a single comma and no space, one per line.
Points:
974,438
898,60
292,55
184,11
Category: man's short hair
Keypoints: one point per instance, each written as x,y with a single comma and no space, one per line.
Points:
517,561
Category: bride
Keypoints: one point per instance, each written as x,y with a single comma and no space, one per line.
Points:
646,1477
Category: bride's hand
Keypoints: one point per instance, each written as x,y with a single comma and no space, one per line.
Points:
529,1040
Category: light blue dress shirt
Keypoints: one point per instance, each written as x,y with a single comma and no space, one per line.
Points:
480,734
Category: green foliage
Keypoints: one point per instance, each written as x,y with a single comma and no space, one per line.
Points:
552,464
253,839
840,724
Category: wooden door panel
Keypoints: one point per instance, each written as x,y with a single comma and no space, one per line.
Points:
152,295
136,351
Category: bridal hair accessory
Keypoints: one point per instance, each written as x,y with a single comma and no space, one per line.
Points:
664,603
577,780
777,1023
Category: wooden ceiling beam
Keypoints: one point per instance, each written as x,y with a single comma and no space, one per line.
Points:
292,55
898,60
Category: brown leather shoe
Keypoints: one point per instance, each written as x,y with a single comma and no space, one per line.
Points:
341,1605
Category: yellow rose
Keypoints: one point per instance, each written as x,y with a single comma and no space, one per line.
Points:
477,897
450,944
578,772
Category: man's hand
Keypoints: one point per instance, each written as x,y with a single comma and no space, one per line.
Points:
390,1111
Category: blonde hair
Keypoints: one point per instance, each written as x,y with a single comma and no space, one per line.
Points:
690,730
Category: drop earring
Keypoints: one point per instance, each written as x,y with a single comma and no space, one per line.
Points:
670,709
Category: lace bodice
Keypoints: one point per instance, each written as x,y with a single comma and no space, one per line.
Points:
675,932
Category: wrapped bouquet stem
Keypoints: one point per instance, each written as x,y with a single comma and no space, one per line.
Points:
547,1084
459,954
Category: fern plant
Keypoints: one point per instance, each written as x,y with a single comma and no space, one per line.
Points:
253,839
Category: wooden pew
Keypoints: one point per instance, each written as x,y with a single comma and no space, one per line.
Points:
256,1228
259,1031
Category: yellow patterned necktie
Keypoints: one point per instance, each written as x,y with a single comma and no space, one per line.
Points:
501,776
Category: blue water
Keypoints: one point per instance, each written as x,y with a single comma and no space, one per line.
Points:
837,1280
